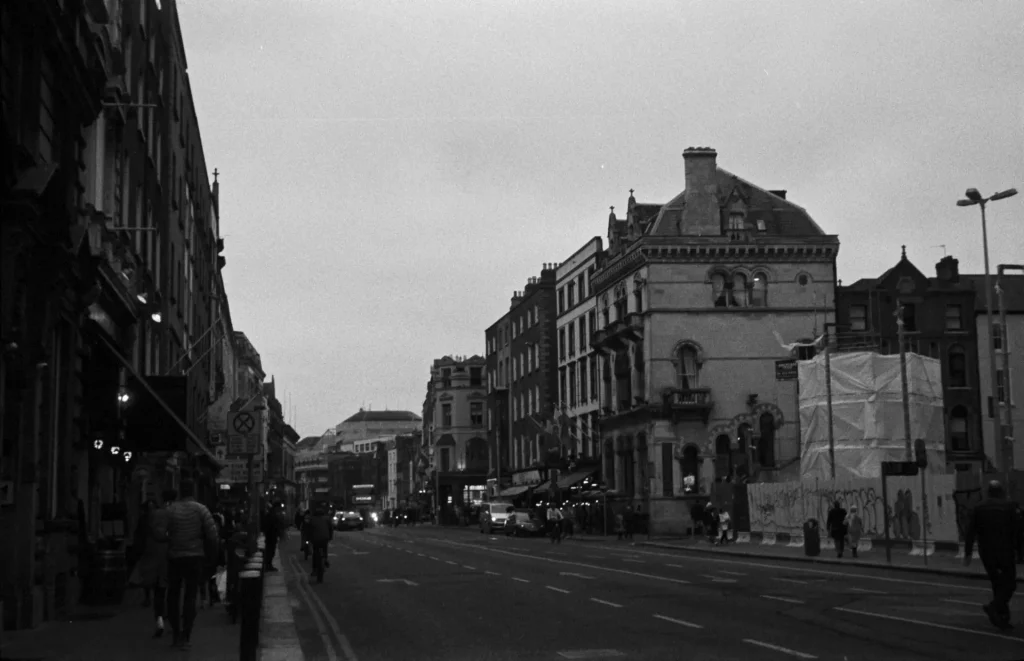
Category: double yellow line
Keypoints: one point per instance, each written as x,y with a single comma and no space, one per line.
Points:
325,622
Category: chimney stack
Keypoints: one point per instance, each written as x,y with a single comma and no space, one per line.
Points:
948,269
701,215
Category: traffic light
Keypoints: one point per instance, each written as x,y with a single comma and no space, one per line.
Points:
920,454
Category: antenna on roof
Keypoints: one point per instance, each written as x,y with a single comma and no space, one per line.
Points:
943,246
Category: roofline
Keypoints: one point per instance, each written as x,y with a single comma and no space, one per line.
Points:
786,200
600,247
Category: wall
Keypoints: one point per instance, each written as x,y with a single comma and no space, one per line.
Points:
1015,335
783,507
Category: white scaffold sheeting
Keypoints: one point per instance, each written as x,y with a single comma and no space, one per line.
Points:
867,413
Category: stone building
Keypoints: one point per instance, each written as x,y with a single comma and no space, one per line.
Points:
690,301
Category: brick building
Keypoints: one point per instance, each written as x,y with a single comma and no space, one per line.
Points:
939,321
690,298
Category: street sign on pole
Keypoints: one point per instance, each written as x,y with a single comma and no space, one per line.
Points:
243,432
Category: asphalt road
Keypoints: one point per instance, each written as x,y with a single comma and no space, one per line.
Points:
431,594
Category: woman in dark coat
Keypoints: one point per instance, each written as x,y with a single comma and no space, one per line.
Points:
151,571
836,525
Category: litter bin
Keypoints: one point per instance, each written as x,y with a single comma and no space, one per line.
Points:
812,538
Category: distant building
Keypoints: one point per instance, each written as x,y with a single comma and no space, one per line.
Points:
939,321
456,399
1009,346
368,423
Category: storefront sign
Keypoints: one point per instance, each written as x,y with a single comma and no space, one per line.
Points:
526,477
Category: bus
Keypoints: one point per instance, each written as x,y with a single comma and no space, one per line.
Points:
363,499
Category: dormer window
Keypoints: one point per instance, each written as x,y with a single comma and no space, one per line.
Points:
736,221
761,227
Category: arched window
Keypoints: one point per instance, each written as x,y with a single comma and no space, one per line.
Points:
718,292
689,368
738,295
759,291
957,367
723,457
744,434
997,336
691,468
958,437
766,446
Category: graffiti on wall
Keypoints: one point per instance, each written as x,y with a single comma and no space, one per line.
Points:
784,507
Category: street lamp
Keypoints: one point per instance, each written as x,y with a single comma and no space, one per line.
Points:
974,197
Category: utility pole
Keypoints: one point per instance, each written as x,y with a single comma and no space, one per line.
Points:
903,379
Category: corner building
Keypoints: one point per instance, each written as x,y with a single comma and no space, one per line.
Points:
689,301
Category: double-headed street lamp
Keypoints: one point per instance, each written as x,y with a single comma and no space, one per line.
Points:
974,197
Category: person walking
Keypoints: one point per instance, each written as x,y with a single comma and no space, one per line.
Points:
854,529
151,570
318,532
190,530
836,525
273,531
994,523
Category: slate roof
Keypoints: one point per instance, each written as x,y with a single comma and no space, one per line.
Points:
781,217
384,416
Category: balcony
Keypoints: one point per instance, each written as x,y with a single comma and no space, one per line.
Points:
633,327
687,404
618,334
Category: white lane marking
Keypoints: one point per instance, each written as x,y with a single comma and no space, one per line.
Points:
676,566
716,579
627,572
590,654
788,580
785,599
594,557
675,621
521,580
303,591
866,591
778,648
432,557
790,567
569,573
451,562
492,573
551,587
731,573
606,603
928,624
639,562
469,568
961,601
557,553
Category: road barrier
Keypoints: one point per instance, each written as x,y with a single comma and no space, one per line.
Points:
915,548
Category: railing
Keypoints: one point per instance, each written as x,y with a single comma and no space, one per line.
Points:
690,397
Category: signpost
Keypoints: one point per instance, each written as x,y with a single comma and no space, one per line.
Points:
245,437
892,468
921,460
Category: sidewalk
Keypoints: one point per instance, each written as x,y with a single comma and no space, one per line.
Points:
121,633
940,563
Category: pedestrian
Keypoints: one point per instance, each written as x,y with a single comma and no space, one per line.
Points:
272,533
151,570
554,520
854,529
318,532
190,531
836,526
724,525
994,523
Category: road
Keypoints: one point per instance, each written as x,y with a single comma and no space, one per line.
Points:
434,594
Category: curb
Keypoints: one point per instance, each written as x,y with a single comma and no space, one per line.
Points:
826,561
279,639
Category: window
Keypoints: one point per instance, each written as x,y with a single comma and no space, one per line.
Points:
572,385
735,221
739,291
583,335
766,445
563,384
718,290
858,317
807,350
638,299
446,415
909,317
561,344
446,459
723,457
1000,386
759,291
620,309
997,336
957,367
593,377
591,322
689,368
581,283
691,468
561,301
668,486
572,339
476,413
475,376
954,320
572,294
958,436
583,381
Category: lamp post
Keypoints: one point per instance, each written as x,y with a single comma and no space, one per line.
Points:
973,197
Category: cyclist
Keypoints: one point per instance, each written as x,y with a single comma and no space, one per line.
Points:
319,531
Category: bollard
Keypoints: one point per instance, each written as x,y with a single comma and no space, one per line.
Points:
248,641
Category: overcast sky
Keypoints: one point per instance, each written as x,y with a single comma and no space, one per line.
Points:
392,171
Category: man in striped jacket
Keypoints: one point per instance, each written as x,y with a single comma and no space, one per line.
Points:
190,528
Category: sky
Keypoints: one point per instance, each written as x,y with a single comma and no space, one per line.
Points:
390,172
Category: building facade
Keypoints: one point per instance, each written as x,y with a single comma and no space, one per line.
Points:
577,361
367,423
690,301
1008,340
457,401
401,455
938,321
499,441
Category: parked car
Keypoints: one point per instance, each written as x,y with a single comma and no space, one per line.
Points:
524,524
493,517
348,521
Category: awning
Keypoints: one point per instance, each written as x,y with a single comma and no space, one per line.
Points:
514,491
575,478
159,400
543,487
